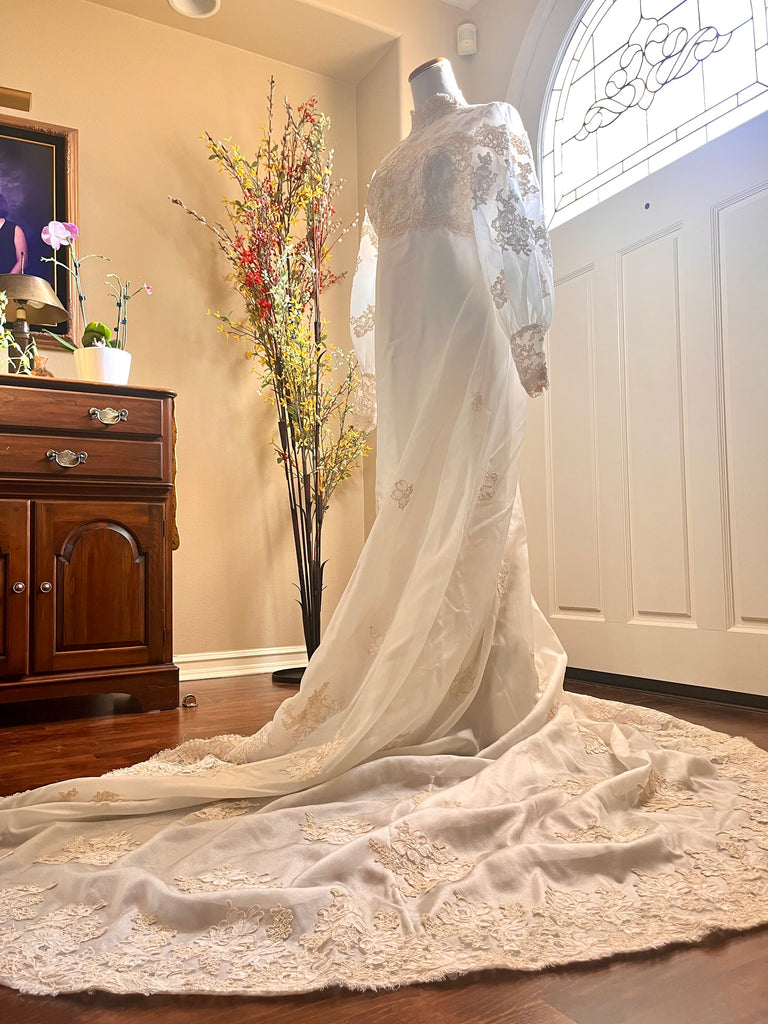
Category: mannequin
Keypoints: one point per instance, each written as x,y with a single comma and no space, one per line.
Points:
436,76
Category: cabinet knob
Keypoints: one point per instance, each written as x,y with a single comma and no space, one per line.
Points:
46,587
66,458
19,588
108,415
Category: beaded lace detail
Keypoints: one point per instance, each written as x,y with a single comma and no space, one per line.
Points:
433,108
470,170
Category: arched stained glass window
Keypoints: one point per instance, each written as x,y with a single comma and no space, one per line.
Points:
642,82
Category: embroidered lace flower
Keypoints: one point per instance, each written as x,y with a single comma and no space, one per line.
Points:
318,708
308,764
226,809
488,486
659,794
337,831
365,322
401,493
99,851
597,833
499,291
226,877
530,360
417,864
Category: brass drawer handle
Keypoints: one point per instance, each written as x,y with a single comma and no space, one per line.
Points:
66,458
108,415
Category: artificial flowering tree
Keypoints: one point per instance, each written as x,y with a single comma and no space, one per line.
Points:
282,229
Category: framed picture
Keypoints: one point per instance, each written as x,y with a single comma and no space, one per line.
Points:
38,183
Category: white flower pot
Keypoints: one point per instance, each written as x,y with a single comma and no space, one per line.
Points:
3,360
103,365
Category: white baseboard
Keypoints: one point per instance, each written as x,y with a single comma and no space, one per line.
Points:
221,664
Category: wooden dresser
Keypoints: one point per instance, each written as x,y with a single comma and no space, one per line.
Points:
86,506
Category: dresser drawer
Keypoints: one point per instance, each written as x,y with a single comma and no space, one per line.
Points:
114,458
99,415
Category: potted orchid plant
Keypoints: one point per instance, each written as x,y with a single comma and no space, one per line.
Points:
102,353
6,338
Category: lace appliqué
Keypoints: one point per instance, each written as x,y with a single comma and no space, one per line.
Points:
316,709
597,833
401,493
99,851
488,487
195,757
527,347
482,181
106,796
433,108
368,233
495,137
476,403
463,684
499,291
575,786
226,877
19,902
417,864
337,832
65,795
502,579
514,231
375,640
365,322
660,794
226,809
364,402
308,764
282,924
424,183
593,744
542,242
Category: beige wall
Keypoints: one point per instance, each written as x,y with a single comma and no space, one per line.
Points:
501,31
140,95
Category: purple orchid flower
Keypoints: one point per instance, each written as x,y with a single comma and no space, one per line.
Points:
57,234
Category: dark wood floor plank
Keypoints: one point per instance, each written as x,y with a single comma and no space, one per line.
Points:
720,982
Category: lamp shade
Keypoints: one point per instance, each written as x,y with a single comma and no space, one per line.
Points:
36,296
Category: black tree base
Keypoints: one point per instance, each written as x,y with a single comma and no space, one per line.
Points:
288,676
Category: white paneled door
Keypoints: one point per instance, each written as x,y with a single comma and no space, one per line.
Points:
646,466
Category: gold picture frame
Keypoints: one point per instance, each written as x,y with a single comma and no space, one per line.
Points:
39,180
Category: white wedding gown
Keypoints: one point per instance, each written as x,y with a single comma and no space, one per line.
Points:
430,802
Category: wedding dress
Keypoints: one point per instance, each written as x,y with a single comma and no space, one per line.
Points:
431,801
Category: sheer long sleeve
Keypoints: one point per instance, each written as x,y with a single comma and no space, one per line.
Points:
512,239
362,319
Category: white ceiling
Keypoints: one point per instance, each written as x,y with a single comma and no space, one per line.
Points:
304,34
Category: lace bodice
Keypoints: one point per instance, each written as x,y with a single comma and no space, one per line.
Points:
470,170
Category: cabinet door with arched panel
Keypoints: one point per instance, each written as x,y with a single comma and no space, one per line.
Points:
99,584
14,588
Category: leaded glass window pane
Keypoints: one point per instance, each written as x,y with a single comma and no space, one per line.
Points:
641,83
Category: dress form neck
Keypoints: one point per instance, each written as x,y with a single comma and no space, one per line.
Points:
434,78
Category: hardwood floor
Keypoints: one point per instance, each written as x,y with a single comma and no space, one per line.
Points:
724,981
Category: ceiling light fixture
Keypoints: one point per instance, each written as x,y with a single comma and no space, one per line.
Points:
195,8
